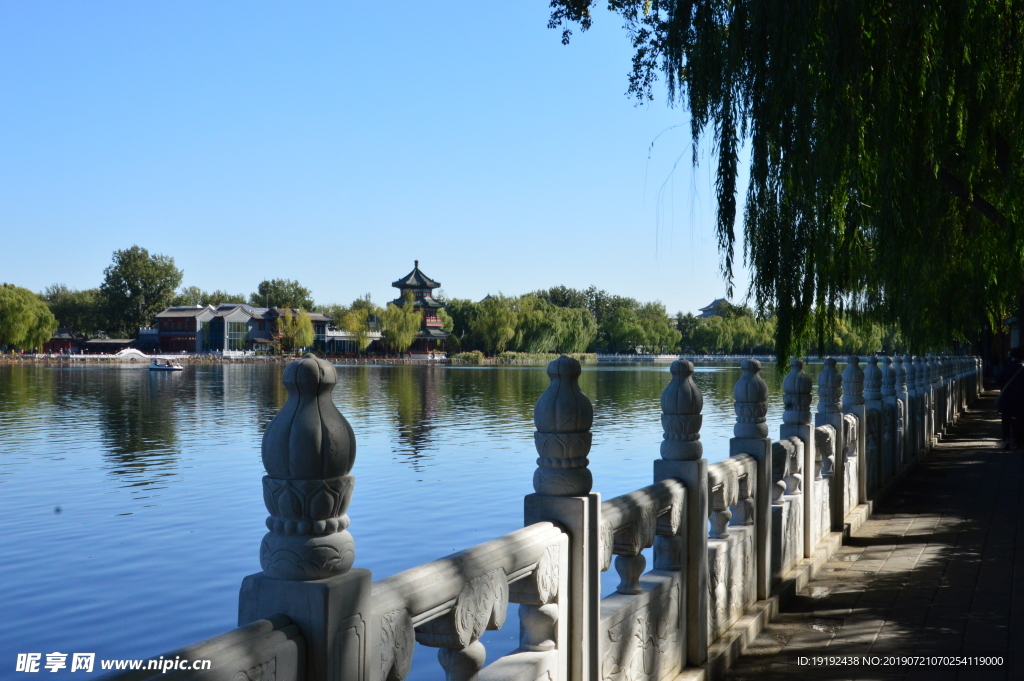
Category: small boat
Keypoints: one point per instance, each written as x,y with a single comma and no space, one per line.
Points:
165,365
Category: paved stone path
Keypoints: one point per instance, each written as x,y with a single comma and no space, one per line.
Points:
937,570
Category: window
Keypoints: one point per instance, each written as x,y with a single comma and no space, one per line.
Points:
237,334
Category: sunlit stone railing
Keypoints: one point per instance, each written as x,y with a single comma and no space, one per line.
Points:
726,537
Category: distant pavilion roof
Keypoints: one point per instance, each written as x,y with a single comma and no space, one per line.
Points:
712,309
416,279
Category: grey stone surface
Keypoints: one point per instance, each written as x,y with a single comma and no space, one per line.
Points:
932,572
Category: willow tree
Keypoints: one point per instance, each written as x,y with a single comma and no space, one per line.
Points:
886,143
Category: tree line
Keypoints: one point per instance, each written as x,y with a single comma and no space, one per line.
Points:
138,285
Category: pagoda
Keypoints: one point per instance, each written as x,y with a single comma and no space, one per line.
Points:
430,338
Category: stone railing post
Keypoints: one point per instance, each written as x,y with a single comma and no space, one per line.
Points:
830,392
796,422
911,367
563,416
889,405
682,457
932,394
308,452
751,437
853,403
920,422
901,413
872,424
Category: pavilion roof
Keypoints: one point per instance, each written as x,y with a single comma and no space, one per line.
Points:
416,279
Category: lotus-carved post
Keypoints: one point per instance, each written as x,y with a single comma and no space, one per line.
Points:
796,422
307,556
563,416
830,392
682,458
751,437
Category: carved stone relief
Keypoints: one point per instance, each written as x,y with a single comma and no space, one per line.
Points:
643,645
396,645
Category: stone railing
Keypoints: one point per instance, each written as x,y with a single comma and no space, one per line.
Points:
727,538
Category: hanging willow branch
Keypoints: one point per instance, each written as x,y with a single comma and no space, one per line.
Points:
887,142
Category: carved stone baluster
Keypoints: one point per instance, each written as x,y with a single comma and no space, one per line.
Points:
751,437
743,513
681,457
480,606
563,417
830,392
853,403
719,513
630,568
540,628
308,452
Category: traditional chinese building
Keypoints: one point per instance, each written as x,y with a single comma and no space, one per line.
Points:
430,338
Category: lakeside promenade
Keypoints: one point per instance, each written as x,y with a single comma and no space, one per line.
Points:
938,570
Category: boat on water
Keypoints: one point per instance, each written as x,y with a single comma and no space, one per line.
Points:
164,365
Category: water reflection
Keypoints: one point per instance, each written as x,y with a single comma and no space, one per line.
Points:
158,478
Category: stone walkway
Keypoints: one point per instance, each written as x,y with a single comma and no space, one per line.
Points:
938,570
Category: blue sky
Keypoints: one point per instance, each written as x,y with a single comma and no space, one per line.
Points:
334,143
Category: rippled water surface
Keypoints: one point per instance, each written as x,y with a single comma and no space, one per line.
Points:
131,505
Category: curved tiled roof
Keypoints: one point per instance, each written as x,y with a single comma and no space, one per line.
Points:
416,279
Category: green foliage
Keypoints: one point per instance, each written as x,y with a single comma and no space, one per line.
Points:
282,293
135,287
81,312
738,331
294,330
886,141
621,325
471,357
399,325
25,320
447,322
193,295
357,323
495,323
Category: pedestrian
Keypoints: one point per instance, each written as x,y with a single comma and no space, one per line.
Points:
1011,399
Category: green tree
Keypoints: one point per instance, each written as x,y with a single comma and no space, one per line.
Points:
136,286
282,293
885,143
494,325
25,320
463,314
399,324
193,295
357,322
81,312
294,330
578,329
447,321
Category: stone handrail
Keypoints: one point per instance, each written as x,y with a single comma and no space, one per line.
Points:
726,536
450,602
629,523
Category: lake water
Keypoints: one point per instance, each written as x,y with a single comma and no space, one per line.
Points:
131,504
